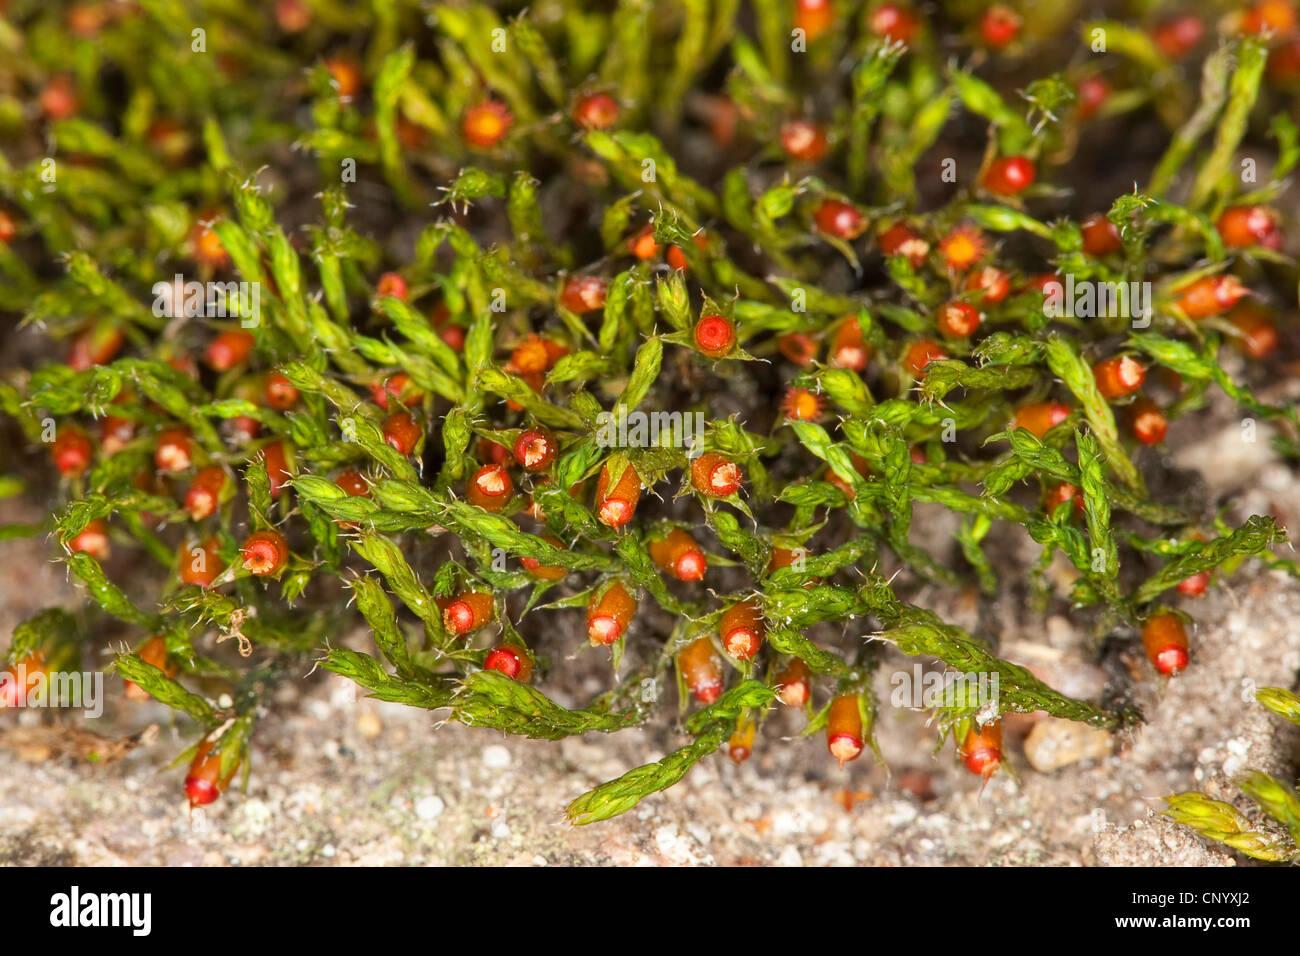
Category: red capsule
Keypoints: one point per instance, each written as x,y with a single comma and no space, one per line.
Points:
1269,17
893,22
229,349
279,393
1040,417
345,75
351,481
794,684
920,354
71,451
901,240
716,475
803,140
1147,422
740,745
22,680
1164,638
58,99
546,572
486,125
265,553
609,614
798,347
279,469
1196,585
292,16
490,488
396,386
839,219
742,630
715,336
1061,492
990,284
535,449
392,284
1211,295
616,501
596,111
115,434
1009,175
402,432
958,319
205,782
1244,226
680,556
1177,36
200,564
701,668
510,661
844,729
1284,64
174,451
981,751
467,612
1119,376
1091,93
8,228
92,540
97,345
1100,236
1000,26
204,494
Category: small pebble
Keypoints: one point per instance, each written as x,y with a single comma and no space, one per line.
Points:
496,757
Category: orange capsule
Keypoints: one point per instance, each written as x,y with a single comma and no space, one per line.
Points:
716,475
206,245
345,75
616,501
1061,492
490,488
741,743
893,22
58,98
530,355
200,564
794,684
174,450
392,284
741,629
279,469
546,572
1258,336
1147,422
510,661
204,494
96,345
848,348
1244,226
466,612
486,124
229,349
701,668
596,111
22,680
803,140
1119,376
205,782
643,245
609,614
844,728
1211,295
1272,17
1040,417
278,392
265,553
583,294
1164,638
962,247
8,228
1100,236
813,17
920,354
680,556
71,451
402,432
798,347
153,651
981,751
801,405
